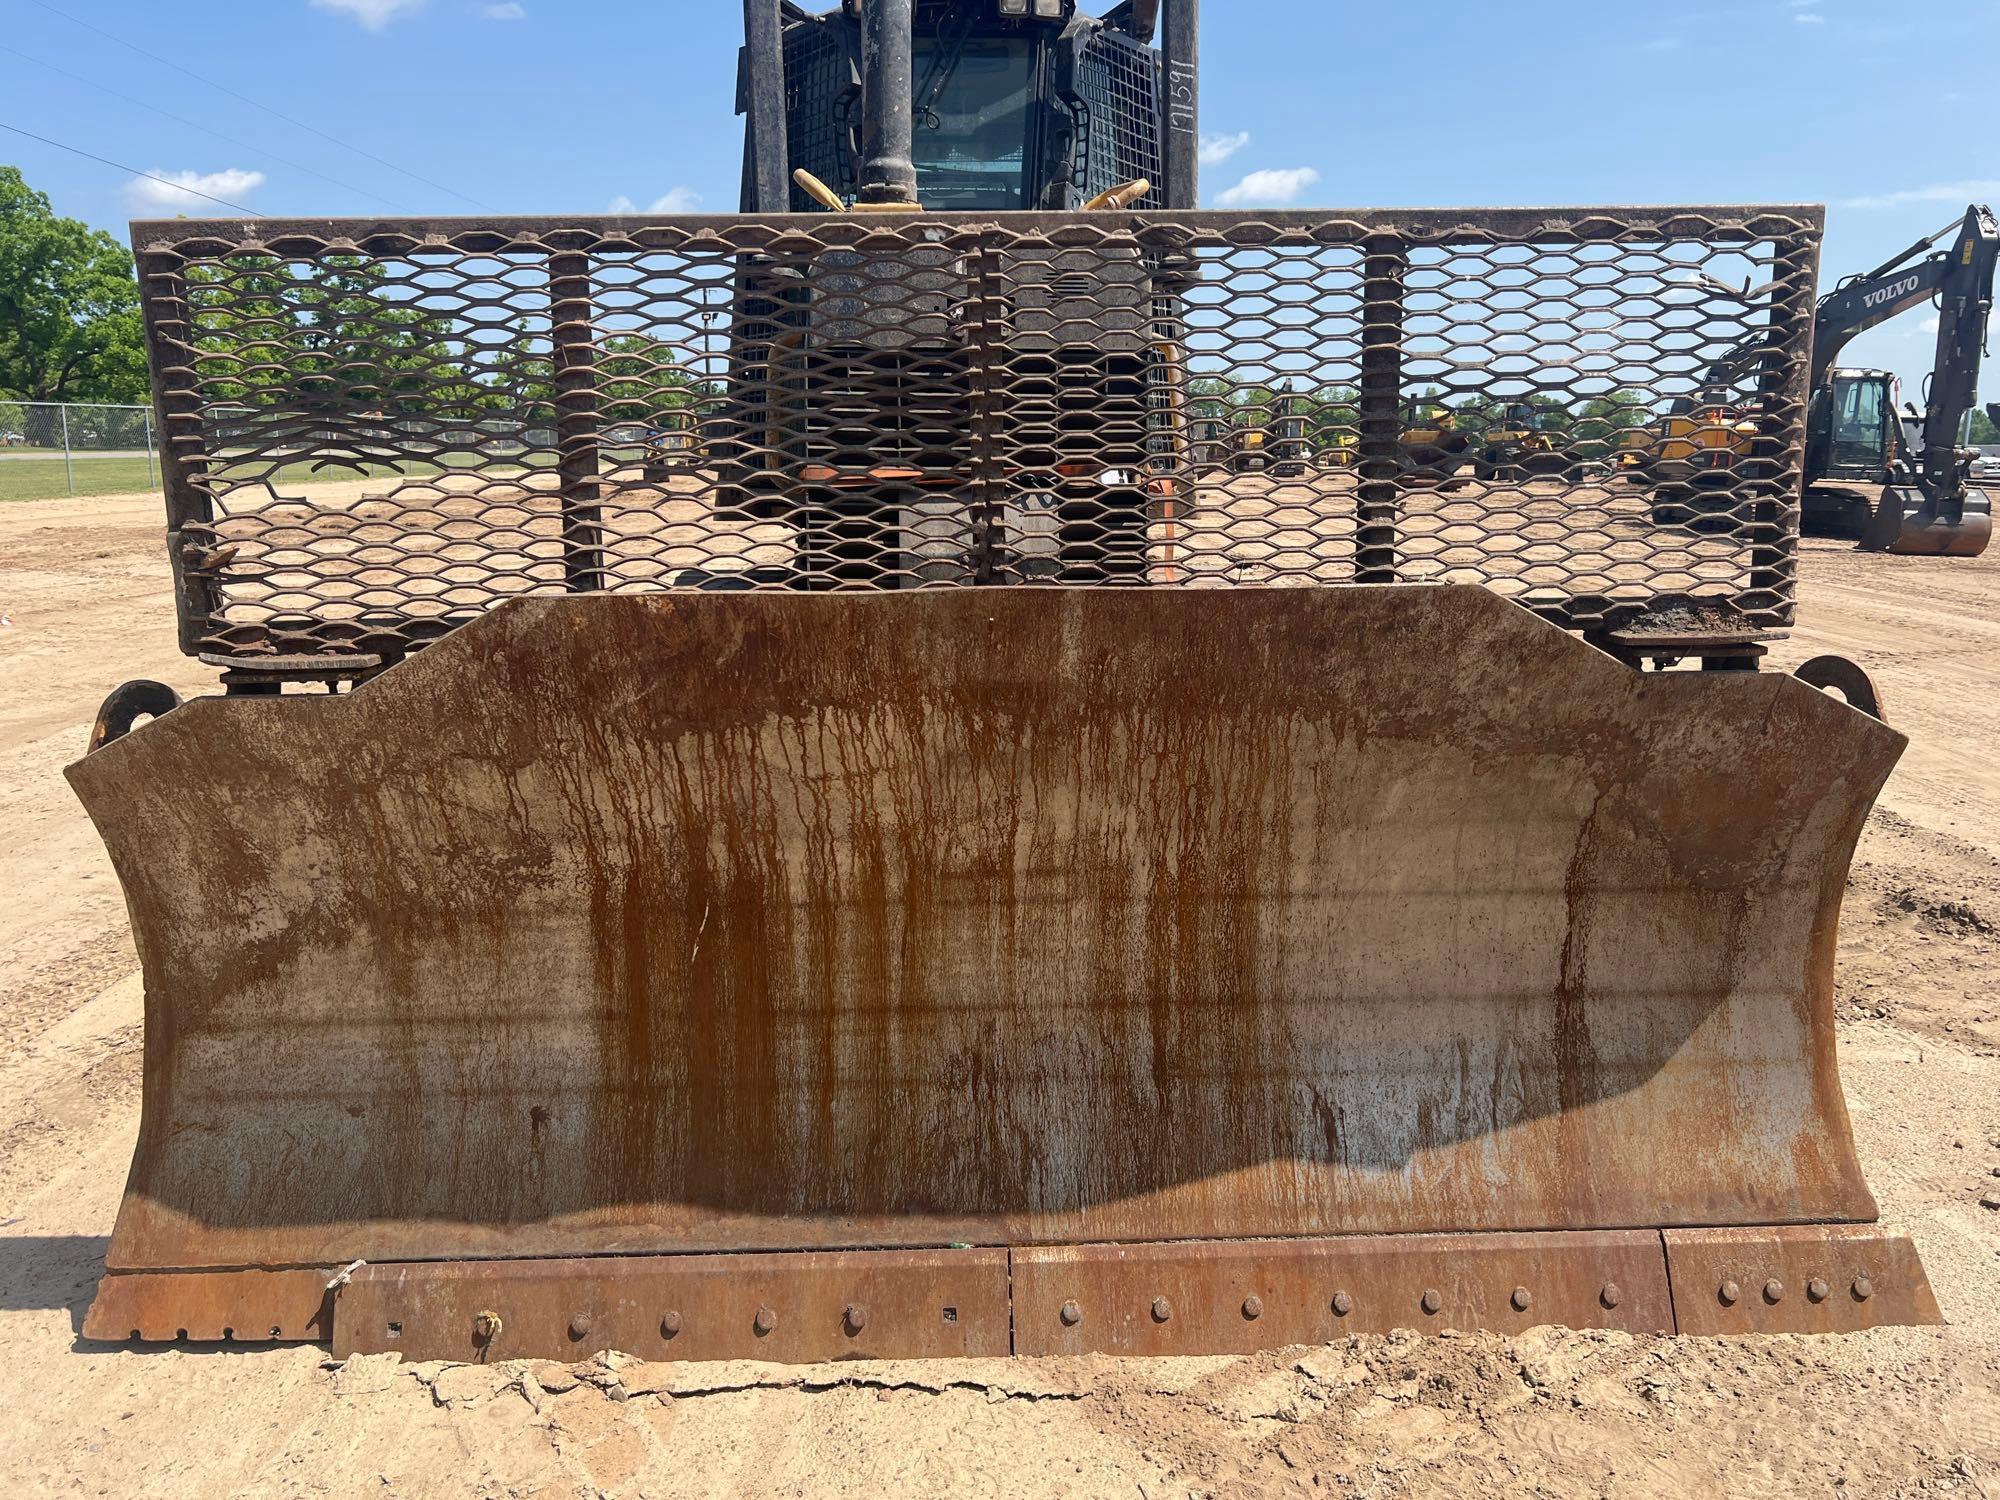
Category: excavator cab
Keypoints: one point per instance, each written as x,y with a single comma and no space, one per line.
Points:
1851,425
1852,437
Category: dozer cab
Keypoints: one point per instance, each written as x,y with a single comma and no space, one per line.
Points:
945,865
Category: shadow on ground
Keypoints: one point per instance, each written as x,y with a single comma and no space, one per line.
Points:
51,1271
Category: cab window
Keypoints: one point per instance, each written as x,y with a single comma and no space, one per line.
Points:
1858,422
971,148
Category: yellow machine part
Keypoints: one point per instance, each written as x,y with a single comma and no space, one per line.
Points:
1715,437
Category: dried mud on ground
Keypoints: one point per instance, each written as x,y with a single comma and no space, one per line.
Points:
83,589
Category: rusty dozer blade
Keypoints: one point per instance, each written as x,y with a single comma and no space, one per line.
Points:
1907,521
797,974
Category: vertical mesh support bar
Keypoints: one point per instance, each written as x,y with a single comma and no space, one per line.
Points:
570,315
170,356
764,52
1385,270
985,329
1785,384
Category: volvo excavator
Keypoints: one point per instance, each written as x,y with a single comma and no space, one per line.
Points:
1875,467
935,859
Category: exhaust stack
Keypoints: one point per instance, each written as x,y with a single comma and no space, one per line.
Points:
888,175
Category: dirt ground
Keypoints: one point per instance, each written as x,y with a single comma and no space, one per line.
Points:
85,604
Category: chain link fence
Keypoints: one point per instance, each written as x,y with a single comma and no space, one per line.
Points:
54,448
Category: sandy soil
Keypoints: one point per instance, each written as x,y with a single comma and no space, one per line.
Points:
83,590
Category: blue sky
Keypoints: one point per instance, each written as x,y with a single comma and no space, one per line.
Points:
533,106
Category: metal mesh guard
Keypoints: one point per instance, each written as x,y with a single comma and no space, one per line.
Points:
1597,413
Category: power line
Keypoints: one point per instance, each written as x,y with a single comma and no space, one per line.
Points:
179,187
246,99
168,114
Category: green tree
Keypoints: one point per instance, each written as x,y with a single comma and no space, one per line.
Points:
339,351
517,378
1984,433
1606,421
639,377
1478,415
1208,398
328,338
69,309
333,357
1332,416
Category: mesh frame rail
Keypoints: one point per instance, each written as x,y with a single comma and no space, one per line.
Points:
1596,413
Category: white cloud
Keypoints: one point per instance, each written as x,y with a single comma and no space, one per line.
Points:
180,192
676,200
1929,325
509,11
1662,44
1217,149
1271,188
1807,18
1978,190
372,14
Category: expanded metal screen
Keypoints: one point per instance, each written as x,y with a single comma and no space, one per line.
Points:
1119,80
376,430
822,99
